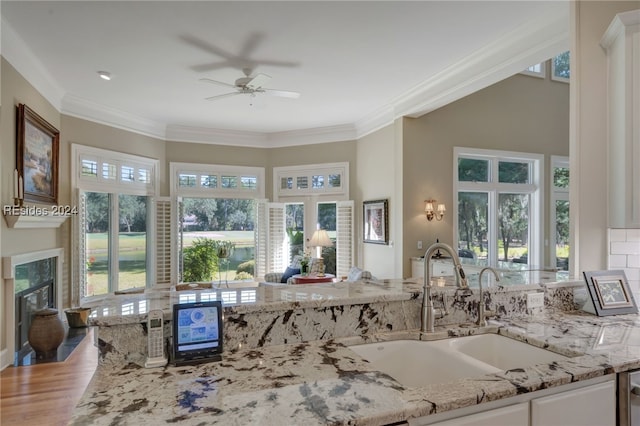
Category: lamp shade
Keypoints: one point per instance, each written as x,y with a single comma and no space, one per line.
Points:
320,238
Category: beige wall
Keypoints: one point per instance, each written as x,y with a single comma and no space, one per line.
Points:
521,113
16,90
314,154
589,21
376,179
83,132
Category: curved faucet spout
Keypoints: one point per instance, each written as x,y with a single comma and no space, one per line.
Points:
428,312
482,321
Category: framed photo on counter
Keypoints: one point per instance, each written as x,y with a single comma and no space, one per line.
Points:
610,293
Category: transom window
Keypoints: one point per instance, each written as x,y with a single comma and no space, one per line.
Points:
311,179
208,181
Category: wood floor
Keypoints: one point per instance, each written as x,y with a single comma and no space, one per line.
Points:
46,394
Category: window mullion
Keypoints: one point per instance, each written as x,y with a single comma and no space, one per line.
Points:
113,242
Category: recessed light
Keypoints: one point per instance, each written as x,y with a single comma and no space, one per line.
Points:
104,75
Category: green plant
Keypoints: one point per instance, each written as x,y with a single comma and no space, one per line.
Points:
200,260
243,276
296,241
247,267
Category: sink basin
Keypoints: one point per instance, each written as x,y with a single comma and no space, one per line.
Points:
503,352
416,363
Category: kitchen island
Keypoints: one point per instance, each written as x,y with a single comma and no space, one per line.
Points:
321,381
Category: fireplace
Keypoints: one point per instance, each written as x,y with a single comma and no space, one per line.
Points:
31,282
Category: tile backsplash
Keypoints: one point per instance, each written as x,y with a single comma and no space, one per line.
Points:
624,253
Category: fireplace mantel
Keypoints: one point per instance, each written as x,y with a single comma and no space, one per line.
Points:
34,221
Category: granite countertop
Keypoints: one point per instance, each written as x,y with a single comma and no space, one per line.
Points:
133,308
323,382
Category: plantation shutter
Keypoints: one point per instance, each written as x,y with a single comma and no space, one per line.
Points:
261,238
269,238
163,241
344,237
80,254
277,235
177,248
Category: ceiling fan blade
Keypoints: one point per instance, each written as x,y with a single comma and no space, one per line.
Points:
282,93
258,81
226,95
219,83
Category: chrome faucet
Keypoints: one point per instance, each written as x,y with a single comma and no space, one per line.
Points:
482,321
428,311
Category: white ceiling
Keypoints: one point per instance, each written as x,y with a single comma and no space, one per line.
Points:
358,65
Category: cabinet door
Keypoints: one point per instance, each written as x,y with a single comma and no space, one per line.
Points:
417,268
593,405
513,415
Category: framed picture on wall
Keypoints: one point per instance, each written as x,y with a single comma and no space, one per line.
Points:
610,293
375,221
37,156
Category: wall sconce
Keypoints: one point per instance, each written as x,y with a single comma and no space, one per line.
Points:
438,214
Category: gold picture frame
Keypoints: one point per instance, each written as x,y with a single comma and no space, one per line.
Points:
37,156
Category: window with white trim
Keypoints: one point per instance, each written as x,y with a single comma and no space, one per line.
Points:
499,199
316,196
217,204
115,222
536,70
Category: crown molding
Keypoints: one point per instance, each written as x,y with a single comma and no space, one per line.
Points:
206,135
88,110
619,25
533,42
375,121
18,54
339,133
503,58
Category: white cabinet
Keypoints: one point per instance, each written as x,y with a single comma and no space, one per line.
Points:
622,44
513,415
594,405
588,403
439,268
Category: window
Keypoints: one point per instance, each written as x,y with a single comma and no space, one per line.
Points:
316,196
218,219
536,70
561,67
315,179
115,241
499,197
114,220
559,215
217,205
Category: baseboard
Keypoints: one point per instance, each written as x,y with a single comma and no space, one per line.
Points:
5,359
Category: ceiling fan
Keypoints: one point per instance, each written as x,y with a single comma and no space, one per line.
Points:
248,85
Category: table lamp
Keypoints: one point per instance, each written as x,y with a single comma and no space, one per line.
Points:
320,239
